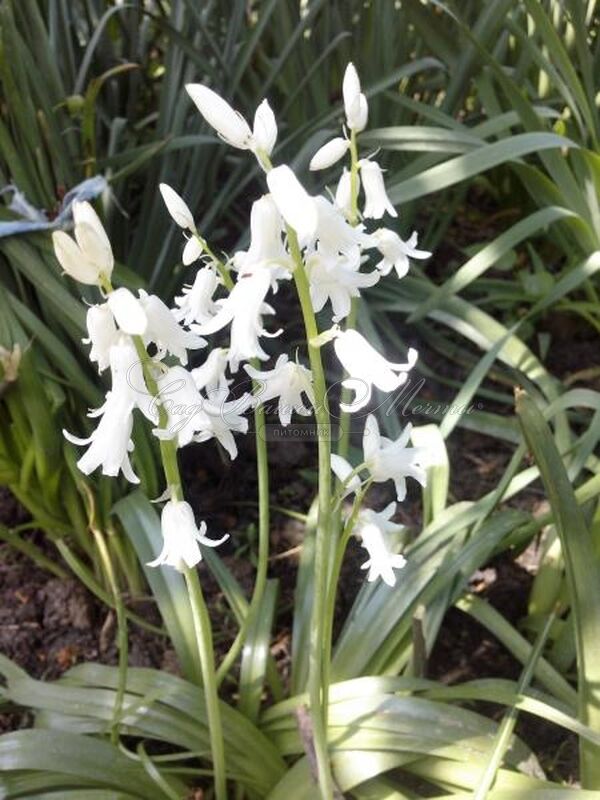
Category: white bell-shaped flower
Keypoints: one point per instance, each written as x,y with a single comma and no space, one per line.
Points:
228,123
355,103
128,312
367,368
102,334
376,200
374,529
396,252
110,443
288,381
329,154
266,250
343,193
334,234
164,331
295,204
195,304
181,537
337,278
244,309
210,376
385,460
264,132
184,406
225,418
89,258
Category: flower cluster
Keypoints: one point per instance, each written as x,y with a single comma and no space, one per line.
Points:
325,236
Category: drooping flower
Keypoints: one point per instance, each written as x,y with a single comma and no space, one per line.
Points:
110,443
195,304
337,278
89,258
329,154
343,193
334,234
181,537
385,460
367,368
294,203
225,418
374,528
164,332
288,381
244,308
184,406
355,103
210,376
266,250
376,200
102,334
128,311
396,252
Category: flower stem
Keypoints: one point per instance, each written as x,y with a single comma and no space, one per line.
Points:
207,663
168,452
317,688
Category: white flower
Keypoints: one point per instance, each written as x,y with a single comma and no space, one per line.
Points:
110,444
334,233
367,368
181,537
396,252
102,334
373,528
243,308
266,250
128,312
184,406
177,208
376,200
228,123
295,205
211,375
336,278
329,154
224,418
355,103
265,129
88,259
288,381
164,331
385,460
195,304
343,193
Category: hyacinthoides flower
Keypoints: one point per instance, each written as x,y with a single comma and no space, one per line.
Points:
322,245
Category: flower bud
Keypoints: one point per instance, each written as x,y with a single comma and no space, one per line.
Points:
177,207
228,123
329,154
295,205
265,128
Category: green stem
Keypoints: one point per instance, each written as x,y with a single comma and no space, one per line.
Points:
122,640
317,689
168,452
207,663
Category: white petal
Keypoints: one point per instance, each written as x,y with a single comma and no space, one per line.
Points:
377,201
177,207
329,154
342,470
295,205
128,312
265,128
227,122
351,91
191,252
83,212
73,261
